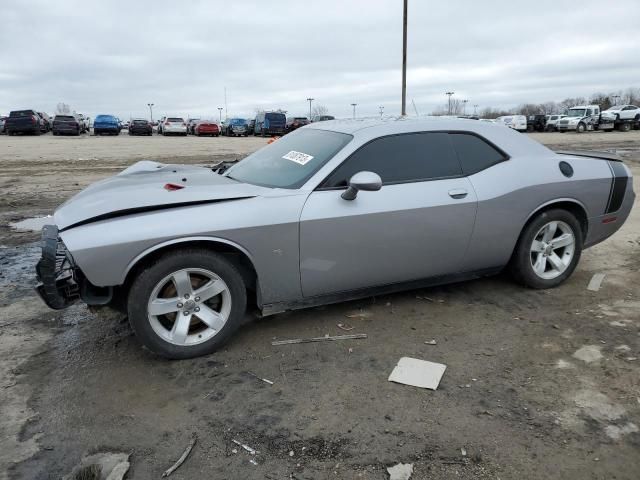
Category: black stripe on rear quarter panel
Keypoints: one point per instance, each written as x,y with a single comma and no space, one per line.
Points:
618,186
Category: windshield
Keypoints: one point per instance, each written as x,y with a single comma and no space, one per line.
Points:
105,118
64,118
238,121
291,160
176,120
578,112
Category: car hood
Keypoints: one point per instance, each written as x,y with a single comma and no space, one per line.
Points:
148,186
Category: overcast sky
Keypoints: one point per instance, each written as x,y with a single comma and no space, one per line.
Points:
116,56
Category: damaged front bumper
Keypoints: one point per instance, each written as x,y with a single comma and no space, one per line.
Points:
57,276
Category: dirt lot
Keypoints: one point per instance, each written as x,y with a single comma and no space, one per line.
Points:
513,397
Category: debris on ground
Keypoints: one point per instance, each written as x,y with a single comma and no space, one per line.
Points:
182,458
595,282
428,299
344,326
245,447
401,471
101,466
431,342
588,353
260,378
360,314
418,373
326,338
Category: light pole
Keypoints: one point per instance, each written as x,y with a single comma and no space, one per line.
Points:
220,114
381,110
449,95
150,105
310,100
404,60
354,110
464,107
475,109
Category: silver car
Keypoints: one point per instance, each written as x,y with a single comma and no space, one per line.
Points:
335,210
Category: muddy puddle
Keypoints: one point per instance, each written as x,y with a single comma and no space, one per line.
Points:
17,268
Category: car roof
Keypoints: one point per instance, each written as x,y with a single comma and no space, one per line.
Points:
365,129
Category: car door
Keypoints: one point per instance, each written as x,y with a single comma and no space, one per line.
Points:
417,225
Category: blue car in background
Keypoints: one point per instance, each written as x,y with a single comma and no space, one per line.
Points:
270,123
106,124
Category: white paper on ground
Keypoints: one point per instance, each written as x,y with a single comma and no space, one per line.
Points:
418,373
596,281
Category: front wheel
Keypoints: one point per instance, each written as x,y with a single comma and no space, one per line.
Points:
187,303
548,250
581,128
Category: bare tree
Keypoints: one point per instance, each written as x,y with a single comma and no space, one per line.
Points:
319,110
63,109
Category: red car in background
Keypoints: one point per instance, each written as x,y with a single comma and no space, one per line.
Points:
293,123
207,128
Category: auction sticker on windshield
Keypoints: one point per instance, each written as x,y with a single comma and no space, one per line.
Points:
298,157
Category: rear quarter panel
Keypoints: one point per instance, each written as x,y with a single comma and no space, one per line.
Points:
511,192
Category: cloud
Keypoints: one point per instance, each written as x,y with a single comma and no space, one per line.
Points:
117,56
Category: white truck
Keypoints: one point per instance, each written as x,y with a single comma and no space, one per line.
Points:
582,118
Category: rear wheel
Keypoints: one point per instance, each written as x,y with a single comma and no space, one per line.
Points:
187,303
548,250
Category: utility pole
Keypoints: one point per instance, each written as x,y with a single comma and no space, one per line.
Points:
381,111
354,110
464,107
220,114
150,105
310,100
615,99
226,111
475,109
449,95
404,59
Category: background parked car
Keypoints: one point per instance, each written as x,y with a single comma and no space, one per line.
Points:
294,123
270,123
322,118
206,127
517,122
251,124
552,122
106,124
174,126
67,124
45,122
536,123
160,123
140,126
23,121
191,124
84,122
235,126
2,120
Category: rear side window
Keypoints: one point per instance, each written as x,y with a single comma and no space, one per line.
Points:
22,113
401,158
475,154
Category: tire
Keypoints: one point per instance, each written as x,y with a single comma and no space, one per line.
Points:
581,128
157,333
525,257
625,127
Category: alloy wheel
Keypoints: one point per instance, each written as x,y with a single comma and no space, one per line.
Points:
552,250
189,306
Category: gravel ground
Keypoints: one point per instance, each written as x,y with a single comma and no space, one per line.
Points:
514,396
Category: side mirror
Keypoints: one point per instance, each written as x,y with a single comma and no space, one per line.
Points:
365,181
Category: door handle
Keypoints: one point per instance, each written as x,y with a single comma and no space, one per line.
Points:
458,193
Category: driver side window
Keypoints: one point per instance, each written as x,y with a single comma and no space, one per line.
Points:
410,157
